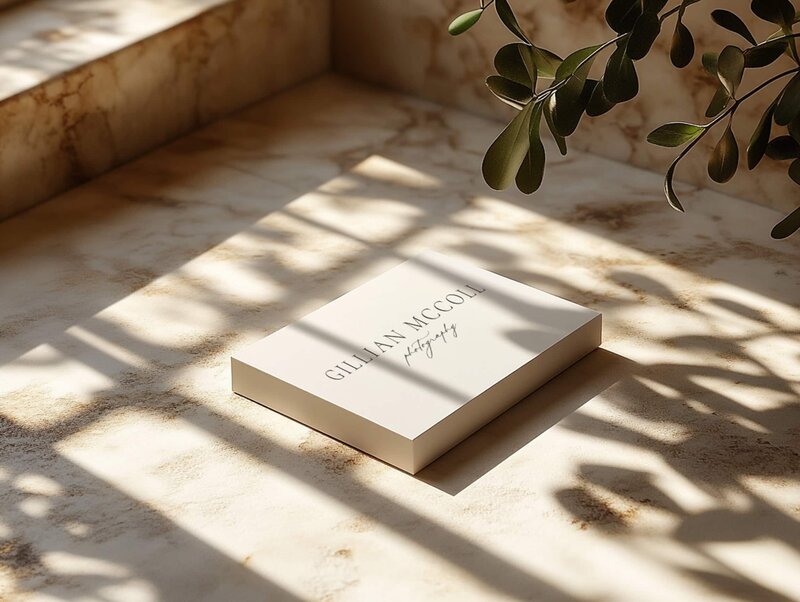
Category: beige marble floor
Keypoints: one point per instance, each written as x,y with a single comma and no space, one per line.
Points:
87,85
46,38
664,467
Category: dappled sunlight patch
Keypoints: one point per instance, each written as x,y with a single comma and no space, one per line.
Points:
388,171
773,565
751,396
35,506
37,403
126,398
37,484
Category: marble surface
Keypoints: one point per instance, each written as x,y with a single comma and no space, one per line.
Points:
86,85
405,45
7,3
663,467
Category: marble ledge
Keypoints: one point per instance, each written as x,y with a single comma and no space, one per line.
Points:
87,86
129,470
43,39
405,46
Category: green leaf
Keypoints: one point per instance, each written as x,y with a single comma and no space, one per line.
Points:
620,82
682,49
731,22
730,68
761,56
546,62
508,151
710,60
794,128
783,148
780,12
644,33
509,20
718,102
526,53
725,158
567,106
569,65
760,137
621,15
654,6
463,22
560,140
569,101
789,105
674,134
787,226
794,171
669,189
509,91
531,172
598,103
511,64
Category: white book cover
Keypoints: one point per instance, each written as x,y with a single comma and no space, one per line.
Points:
412,362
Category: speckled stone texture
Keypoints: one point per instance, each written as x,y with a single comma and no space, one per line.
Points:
405,45
86,86
663,467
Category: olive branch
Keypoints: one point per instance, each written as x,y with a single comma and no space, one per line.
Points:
517,156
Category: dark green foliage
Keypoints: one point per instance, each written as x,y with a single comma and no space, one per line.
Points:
510,63
788,226
761,56
509,20
794,171
675,134
620,82
725,159
509,91
546,62
567,92
732,22
760,137
508,151
730,68
598,102
669,189
783,148
560,140
621,15
531,172
718,102
682,49
780,12
789,103
644,33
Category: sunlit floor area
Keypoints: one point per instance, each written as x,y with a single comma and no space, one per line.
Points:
130,471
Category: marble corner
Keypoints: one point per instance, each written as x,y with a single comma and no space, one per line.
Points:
92,118
405,45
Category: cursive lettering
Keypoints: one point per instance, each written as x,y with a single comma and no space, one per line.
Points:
424,344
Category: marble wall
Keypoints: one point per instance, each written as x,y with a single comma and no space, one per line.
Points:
108,111
405,45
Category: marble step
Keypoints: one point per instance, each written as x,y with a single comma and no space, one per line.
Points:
86,86
130,471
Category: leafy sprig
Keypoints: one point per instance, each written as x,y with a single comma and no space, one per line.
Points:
540,84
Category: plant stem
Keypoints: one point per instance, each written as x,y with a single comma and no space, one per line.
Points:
730,111
680,8
605,45
764,84
771,41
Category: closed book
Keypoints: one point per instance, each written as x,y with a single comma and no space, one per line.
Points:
410,363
